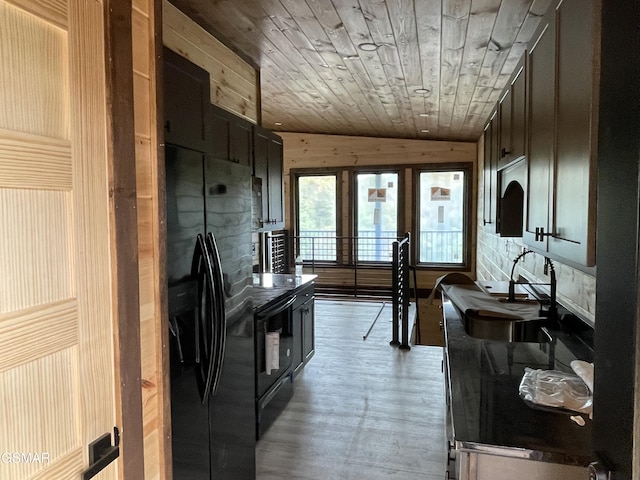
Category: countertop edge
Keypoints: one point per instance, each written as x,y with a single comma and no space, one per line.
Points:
281,285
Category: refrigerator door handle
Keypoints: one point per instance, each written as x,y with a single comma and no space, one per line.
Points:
202,270
220,326
196,262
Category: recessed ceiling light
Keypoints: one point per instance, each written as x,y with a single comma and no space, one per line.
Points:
422,90
369,47
324,65
351,57
341,67
424,131
277,124
423,114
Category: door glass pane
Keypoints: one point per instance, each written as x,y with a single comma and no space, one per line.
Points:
441,217
377,222
317,217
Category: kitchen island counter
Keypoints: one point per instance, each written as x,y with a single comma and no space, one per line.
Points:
486,412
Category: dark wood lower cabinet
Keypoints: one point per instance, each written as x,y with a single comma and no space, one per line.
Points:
303,319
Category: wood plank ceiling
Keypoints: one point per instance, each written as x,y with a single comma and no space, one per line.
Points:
435,70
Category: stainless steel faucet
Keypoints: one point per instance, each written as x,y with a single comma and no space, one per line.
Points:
552,309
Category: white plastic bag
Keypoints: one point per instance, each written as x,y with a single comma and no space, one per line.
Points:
556,390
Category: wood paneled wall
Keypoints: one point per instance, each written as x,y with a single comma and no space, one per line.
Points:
234,83
155,420
316,151
495,255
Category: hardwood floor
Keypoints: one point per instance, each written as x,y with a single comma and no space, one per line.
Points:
361,408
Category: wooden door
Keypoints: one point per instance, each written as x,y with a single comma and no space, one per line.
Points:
57,376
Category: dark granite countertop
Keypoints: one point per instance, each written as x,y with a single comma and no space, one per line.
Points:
268,288
488,413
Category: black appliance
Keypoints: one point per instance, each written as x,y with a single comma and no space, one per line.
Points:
209,270
274,379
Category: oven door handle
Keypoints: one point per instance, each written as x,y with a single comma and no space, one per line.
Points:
276,309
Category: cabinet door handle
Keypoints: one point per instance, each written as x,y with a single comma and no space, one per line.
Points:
540,234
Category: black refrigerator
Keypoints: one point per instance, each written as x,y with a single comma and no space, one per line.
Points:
209,270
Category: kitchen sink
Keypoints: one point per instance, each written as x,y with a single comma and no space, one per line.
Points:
507,330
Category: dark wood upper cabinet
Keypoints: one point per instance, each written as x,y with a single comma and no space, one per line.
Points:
560,202
541,73
574,213
511,151
232,137
489,183
504,114
261,169
241,141
519,112
220,126
186,103
512,113
276,181
268,167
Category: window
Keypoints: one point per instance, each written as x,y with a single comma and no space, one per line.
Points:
442,217
317,219
377,215
372,205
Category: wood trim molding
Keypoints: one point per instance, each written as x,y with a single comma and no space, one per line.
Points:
121,145
162,241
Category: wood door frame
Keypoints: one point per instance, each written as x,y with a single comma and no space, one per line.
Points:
123,206
165,409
